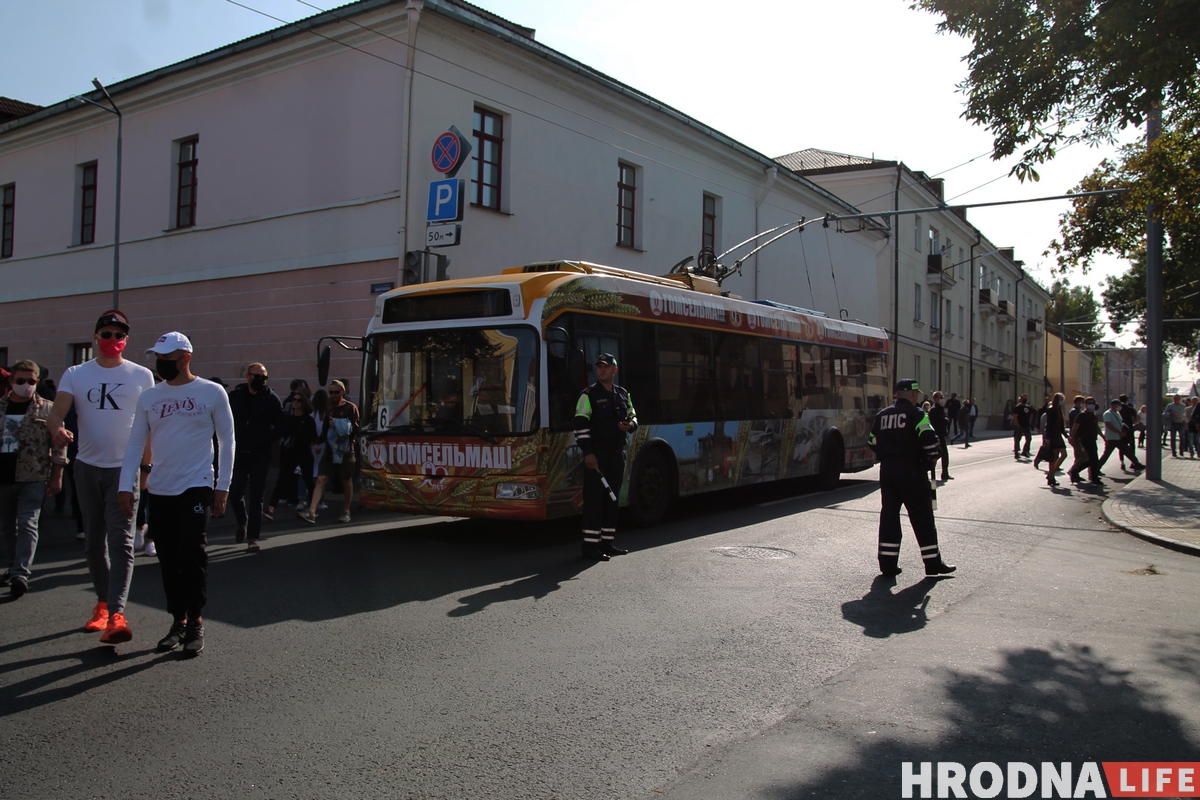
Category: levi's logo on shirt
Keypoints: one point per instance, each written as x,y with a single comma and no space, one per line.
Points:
186,407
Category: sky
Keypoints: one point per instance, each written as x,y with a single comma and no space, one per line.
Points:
864,77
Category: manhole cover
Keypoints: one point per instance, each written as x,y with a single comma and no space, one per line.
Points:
754,553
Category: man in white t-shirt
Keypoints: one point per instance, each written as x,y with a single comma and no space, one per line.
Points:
104,393
182,414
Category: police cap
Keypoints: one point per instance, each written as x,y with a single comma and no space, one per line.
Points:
608,359
907,385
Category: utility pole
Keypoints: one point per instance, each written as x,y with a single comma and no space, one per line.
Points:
1154,320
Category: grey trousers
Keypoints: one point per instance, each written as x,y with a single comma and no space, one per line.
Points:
109,533
20,509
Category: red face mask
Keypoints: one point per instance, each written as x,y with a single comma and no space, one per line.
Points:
111,348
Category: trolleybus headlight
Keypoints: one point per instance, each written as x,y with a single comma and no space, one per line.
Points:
518,491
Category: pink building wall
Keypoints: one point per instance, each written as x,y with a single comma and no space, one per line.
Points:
273,318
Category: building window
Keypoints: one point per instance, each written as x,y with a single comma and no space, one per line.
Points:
80,353
917,302
916,373
917,243
945,387
8,200
935,241
962,264
185,178
962,327
946,320
485,164
933,381
87,203
626,204
708,229
960,380
934,305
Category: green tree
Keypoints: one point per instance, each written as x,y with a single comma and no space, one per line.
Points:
1078,309
1167,173
1046,73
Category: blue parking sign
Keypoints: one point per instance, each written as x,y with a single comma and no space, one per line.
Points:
446,200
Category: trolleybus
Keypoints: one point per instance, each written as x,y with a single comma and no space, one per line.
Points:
470,386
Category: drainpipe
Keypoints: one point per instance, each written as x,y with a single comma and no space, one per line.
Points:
973,304
414,18
772,173
1017,333
896,279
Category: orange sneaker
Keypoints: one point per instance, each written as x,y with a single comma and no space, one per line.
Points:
117,631
99,620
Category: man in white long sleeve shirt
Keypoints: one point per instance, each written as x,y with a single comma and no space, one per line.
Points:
181,414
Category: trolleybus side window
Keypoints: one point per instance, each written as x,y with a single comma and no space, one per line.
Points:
815,379
780,399
739,393
684,376
876,382
848,369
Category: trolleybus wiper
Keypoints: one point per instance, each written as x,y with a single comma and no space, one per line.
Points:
482,434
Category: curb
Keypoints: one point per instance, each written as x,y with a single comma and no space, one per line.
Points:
1154,538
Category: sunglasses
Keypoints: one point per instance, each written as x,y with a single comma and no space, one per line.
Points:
335,391
25,381
120,337
256,375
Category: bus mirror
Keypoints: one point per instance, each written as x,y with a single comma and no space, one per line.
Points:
577,369
557,342
323,366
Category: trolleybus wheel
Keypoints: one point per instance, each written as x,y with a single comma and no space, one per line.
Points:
650,491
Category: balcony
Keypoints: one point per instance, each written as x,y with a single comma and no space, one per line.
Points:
1007,312
1034,328
935,332
987,303
938,271
1031,366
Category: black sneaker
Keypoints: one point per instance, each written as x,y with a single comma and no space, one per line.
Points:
610,549
193,639
240,536
18,586
174,637
890,572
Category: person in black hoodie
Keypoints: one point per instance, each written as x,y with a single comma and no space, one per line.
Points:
1084,432
297,433
256,411
941,425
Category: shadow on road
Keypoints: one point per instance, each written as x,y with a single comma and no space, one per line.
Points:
1065,704
882,613
334,576
69,680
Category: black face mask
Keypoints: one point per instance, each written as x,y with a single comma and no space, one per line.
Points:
167,369
257,382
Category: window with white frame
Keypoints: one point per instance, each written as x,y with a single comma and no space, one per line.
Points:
916,368
962,319
962,264
935,241
917,302
934,305
947,318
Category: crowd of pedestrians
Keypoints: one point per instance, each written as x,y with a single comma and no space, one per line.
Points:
150,457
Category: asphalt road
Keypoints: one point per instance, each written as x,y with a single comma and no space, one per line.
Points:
745,649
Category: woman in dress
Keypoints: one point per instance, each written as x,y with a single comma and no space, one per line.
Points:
1056,425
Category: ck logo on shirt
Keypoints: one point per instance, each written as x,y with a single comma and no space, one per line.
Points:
103,396
199,509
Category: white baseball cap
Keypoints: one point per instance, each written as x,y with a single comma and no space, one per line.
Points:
170,342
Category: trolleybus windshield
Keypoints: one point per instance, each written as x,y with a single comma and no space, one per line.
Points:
473,381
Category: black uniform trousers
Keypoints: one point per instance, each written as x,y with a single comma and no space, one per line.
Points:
599,509
904,483
181,535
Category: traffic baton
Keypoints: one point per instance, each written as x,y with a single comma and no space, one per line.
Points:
607,488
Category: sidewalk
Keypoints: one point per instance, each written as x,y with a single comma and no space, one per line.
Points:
1167,512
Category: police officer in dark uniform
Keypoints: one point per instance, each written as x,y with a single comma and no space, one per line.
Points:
603,418
906,444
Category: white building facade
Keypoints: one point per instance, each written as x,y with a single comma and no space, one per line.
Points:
964,316
269,188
